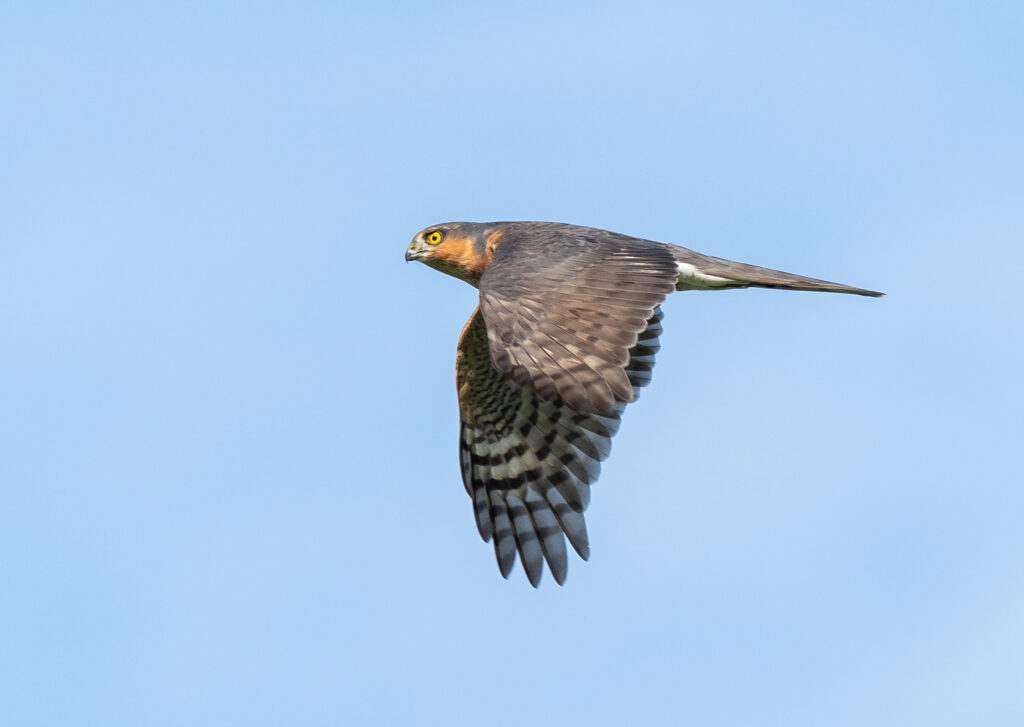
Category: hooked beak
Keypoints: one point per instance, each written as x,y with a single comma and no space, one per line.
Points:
411,254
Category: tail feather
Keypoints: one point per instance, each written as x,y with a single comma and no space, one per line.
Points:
705,272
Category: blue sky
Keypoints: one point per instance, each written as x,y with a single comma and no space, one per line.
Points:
228,469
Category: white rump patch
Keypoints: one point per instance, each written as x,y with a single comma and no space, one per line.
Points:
690,278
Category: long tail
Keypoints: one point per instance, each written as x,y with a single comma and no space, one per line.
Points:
705,272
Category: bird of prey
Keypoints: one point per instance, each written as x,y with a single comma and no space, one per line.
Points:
563,338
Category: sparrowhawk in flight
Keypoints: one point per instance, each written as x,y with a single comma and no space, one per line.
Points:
564,337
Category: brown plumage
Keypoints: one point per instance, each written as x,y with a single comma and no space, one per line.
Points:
564,337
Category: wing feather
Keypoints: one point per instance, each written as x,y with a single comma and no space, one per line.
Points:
562,312
528,463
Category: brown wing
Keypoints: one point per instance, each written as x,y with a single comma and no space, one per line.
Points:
528,463
564,305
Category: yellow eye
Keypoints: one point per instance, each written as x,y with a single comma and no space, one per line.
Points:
434,237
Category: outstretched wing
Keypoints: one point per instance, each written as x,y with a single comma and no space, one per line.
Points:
563,305
528,463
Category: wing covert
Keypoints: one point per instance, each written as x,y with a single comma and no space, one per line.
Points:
563,310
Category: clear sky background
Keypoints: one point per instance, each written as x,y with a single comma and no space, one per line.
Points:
229,486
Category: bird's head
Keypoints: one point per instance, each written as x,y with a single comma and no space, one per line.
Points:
461,249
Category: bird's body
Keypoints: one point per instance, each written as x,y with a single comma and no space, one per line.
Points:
564,337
